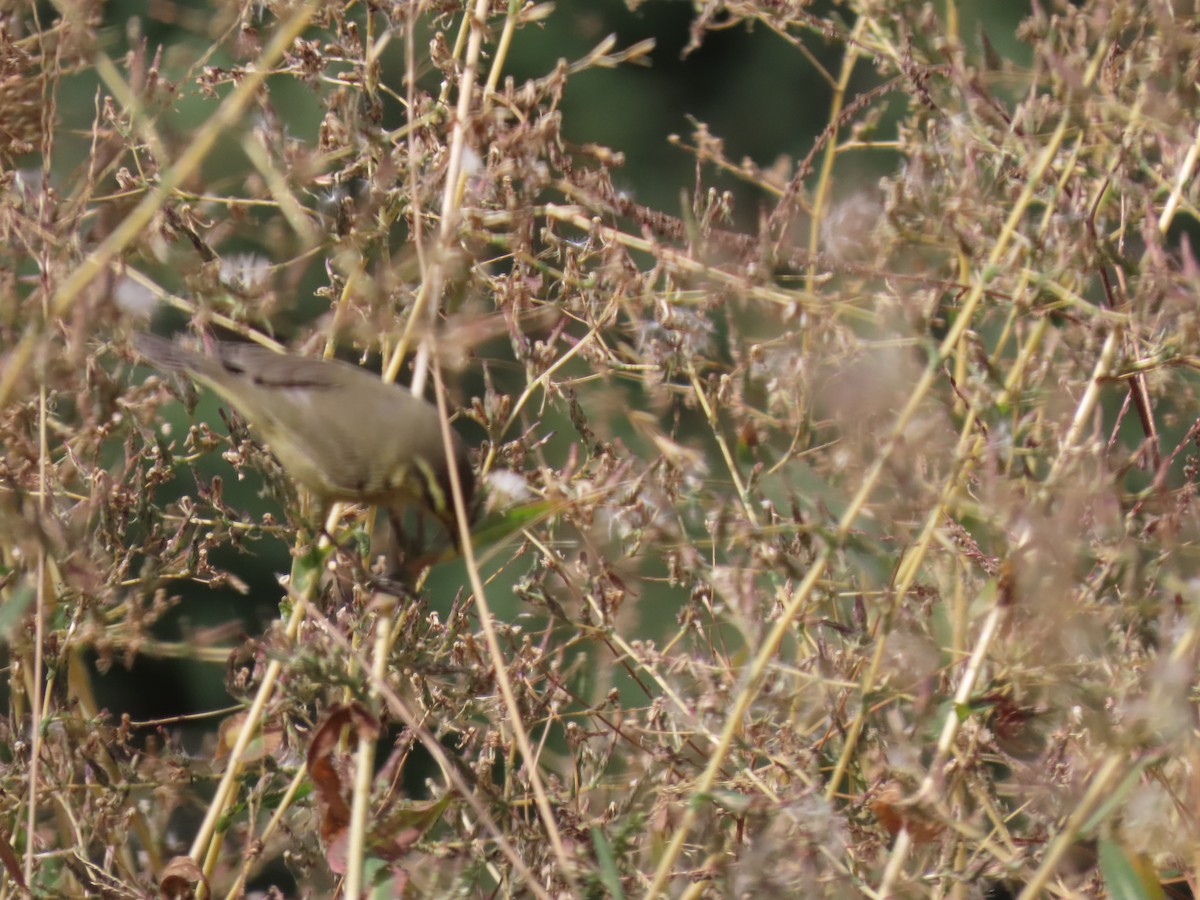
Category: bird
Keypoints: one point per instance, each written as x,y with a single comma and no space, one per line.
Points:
337,429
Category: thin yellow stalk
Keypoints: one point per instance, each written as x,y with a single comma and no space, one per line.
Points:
297,782
206,844
1099,787
39,625
824,179
723,445
365,760
496,653
502,47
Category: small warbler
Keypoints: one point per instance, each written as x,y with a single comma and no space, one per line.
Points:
337,429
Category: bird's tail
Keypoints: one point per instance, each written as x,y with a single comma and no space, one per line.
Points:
166,354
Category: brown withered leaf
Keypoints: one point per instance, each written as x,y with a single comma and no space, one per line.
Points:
12,864
179,879
335,812
894,813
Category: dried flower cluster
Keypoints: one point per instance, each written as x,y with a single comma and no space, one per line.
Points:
840,553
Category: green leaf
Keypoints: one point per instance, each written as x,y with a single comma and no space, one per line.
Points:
380,878
497,528
308,568
609,876
1125,877
13,609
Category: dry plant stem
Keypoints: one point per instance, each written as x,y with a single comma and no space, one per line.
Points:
804,51
371,55
431,288
1007,850
679,261
1102,782
1027,275
895,862
907,574
225,118
652,670
414,193
39,614
206,845
1184,645
344,296
1083,414
543,380
438,752
130,103
281,192
1074,301
462,115
238,888
501,52
460,42
1087,405
754,676
430,293
962,696
723,445
950,729
944,351
365,760
749,685
1181,181
495,651
824,179
432,278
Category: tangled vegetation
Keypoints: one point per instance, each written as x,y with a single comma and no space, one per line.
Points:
838,528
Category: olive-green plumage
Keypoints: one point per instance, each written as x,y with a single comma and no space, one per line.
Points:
337,429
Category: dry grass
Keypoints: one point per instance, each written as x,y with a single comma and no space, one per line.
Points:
910,468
